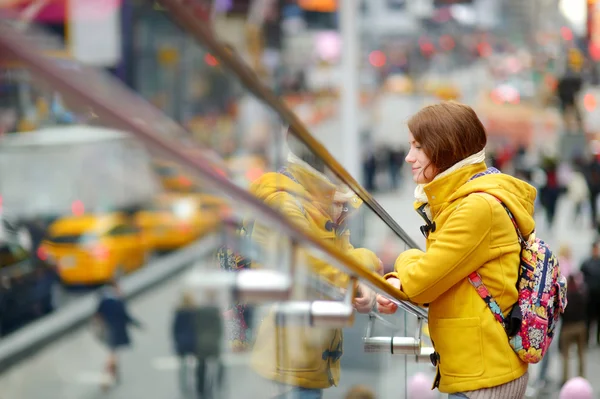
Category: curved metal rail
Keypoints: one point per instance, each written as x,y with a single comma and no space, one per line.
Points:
112,102
200,30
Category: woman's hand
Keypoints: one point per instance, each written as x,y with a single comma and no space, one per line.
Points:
365,300
384,305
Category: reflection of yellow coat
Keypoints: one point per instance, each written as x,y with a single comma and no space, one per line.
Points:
473,232
303,356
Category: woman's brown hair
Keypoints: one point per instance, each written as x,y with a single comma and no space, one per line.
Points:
448,133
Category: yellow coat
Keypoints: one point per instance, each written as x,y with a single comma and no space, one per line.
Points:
304,356
473,232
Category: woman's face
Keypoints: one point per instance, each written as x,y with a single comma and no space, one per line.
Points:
422,170
336,210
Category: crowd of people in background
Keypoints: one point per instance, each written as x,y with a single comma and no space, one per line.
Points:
382,168
576,179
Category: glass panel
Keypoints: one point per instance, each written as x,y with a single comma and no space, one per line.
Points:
98,178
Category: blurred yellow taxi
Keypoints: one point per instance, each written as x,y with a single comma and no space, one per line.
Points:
440,87
429,84
93,249
447,92
399,84
174,220
172,177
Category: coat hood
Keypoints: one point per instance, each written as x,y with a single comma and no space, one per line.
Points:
516,194
304,182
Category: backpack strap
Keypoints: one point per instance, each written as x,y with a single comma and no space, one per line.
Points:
484,293
491,171
522,240
513,323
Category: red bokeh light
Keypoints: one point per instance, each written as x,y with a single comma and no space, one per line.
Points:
377,58
100,252
77,208
589,102
184,181
427,48
484,49
566,33
595,51
447,42
42,254
254,173
211,60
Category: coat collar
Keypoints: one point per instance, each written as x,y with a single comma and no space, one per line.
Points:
440,191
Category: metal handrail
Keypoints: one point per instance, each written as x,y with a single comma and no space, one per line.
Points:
200,30
74,82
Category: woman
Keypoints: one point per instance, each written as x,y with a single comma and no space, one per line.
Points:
467,230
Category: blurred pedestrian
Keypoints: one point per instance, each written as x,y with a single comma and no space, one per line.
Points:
209,336
565,259
369,164
573,329
550,192
591,172
577,192
567,264
568,89
591,273
113,316
184,338
395,160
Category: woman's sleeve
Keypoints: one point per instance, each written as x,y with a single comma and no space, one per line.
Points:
460,248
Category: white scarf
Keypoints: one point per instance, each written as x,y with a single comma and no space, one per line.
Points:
421,196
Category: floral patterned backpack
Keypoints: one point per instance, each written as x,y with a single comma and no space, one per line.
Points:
542,290
237,329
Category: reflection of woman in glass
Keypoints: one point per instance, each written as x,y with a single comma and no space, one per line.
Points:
302,360
468,230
